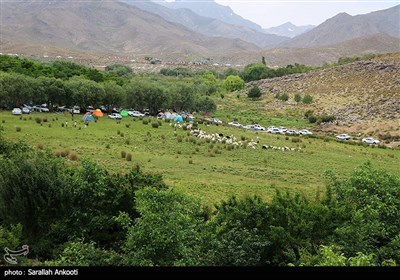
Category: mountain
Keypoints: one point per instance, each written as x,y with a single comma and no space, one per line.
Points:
106,26
209,26
288,29
209,8
343,27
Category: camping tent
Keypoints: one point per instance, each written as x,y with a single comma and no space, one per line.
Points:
178,118
97,113
88,117
124,113
167,115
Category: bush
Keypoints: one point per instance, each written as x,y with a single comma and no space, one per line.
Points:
179,139
129,157
44,119
307,99
297,98
18,129
39,120
123,154
127,125
284,97
312,119
73,156
254,92
107,146
190,161
154,125
326,119
145,121
296,140
64,153
3,121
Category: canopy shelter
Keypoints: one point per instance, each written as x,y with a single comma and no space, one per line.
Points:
178,118
98,113
124,113
88,117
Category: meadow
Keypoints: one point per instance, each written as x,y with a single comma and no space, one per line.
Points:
209,171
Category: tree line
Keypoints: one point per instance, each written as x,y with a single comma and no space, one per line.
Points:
81,214
25,81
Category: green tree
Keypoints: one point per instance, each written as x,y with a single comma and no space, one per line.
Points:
233,83
239,233
263,61
175,240
114,95
85,92
205,104
372,198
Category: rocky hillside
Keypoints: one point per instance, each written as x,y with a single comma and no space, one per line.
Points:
361,93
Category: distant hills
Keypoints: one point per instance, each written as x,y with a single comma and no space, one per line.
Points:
144,28
207,25
211,9
107,26
343,27
288,29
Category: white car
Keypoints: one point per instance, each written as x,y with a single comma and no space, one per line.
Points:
16,111
258,127
283,129
370,140
135,114
343,136
254,127
292,132
26,110
236,124
115,116
274,130
217,121
305,132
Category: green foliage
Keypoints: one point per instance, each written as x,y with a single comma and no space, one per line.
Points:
175,240
258,71
55,203
254,92
79,253
238,233
297,98
12,237
283,97
307,99
332,256
372,199
233,83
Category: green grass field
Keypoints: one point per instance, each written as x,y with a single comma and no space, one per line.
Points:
206,170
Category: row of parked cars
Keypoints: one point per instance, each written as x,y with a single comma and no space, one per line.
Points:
284,130
271,129
368,140
25,109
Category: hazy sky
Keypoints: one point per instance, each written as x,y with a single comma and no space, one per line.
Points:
272,13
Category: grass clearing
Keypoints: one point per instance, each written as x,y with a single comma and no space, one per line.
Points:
189,164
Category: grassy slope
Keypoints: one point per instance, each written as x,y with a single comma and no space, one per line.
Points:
240,171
